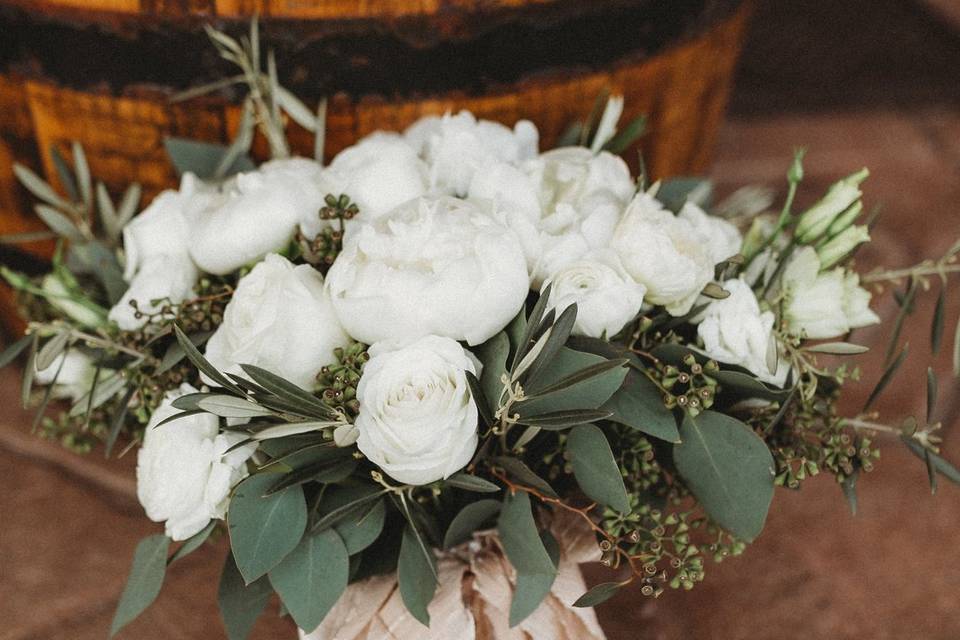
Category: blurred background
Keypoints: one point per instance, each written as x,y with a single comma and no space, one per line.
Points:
859,83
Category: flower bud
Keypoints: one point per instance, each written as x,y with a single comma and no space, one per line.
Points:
845,219
842,244
840,196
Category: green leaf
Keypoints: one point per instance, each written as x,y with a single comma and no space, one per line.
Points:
729,469
29,370
101,391
312,577
574,380
51,349
522,544
887,376
231,407
362,527
559,333
493,355
515,332
193,543
480,399
956,350
175,353
595,468
263,530
417,576
202,364
675,192
365,494
324,473
118,420
15,349
906,308
102,263
598,594
65,173
849,487
520,472
203,158
143,584
745,385
931,392
470,482
108,212
468,520
288,392
128,204
838,348
560,420
626,137
82,169
530,328
936,327
58,223
638,404
942,467
38,186
241,604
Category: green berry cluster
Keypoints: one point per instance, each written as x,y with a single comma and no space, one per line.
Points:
690,387
337,383
323,249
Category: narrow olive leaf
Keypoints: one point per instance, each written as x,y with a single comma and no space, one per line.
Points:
470,482
47,396
598,594
27,236
956,350
480,399
128,205
559,333
53,348
240,146
593,119
532,326
193,543
782,411
65,173
570,136
849,486
838,348
560,420
931,471
320,137
202,364
82,169
595,468
298,111
231,407
143,584
574,381
936,327
312,577
493,355
522,473
417,576
585,374
325,472
943,467
887,376
729,469
29,370
630,134
286,390
468,520
202,158
931,392
15,349
103,389
524,548
906,308
108,213
293,429
39,187
175,353
59,223
240,604
263,530
118,420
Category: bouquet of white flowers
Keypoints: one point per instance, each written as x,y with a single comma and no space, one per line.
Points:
448,337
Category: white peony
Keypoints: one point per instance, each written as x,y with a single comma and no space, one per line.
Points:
280,318
434,265
184,473
735,331
721,238
456,146
418,419
379,173
663,252
255,214
606,296
76,371
823,305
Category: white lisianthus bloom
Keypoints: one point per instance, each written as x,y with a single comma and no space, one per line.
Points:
606,296
76,371
184,472
735,331
822,305
721,238
456,146
157,261
663,252
433,266
379,173
280,319
256,213
418,419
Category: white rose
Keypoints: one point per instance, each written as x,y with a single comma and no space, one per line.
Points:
606,296
184,473
434,265
76,371
456,146
664,253
160,280
417,420
823,305
255,214
378,173
722,239
280,319
734,331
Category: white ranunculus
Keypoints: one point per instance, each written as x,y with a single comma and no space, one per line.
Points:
184,472
280,319
582,196
456,146
435,265
820,305
664,253
76,371
418,419
735,331
379,173
606,296
721,238
256,213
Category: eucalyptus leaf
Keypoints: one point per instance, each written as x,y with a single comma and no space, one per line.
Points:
468,520
193,543
241,604
10,353
747,386
598,594
144,582
312,577
417,576
470,482
729,469
203,158
638,404
361,528
595,468
520,472
524,548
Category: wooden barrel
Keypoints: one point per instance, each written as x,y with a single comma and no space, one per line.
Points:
101,72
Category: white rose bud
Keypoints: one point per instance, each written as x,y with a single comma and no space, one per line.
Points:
664,253
607,298
721,238
734,331
256,214
184,472
815,221
418,419
76,371
435,265
280,319
456,146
